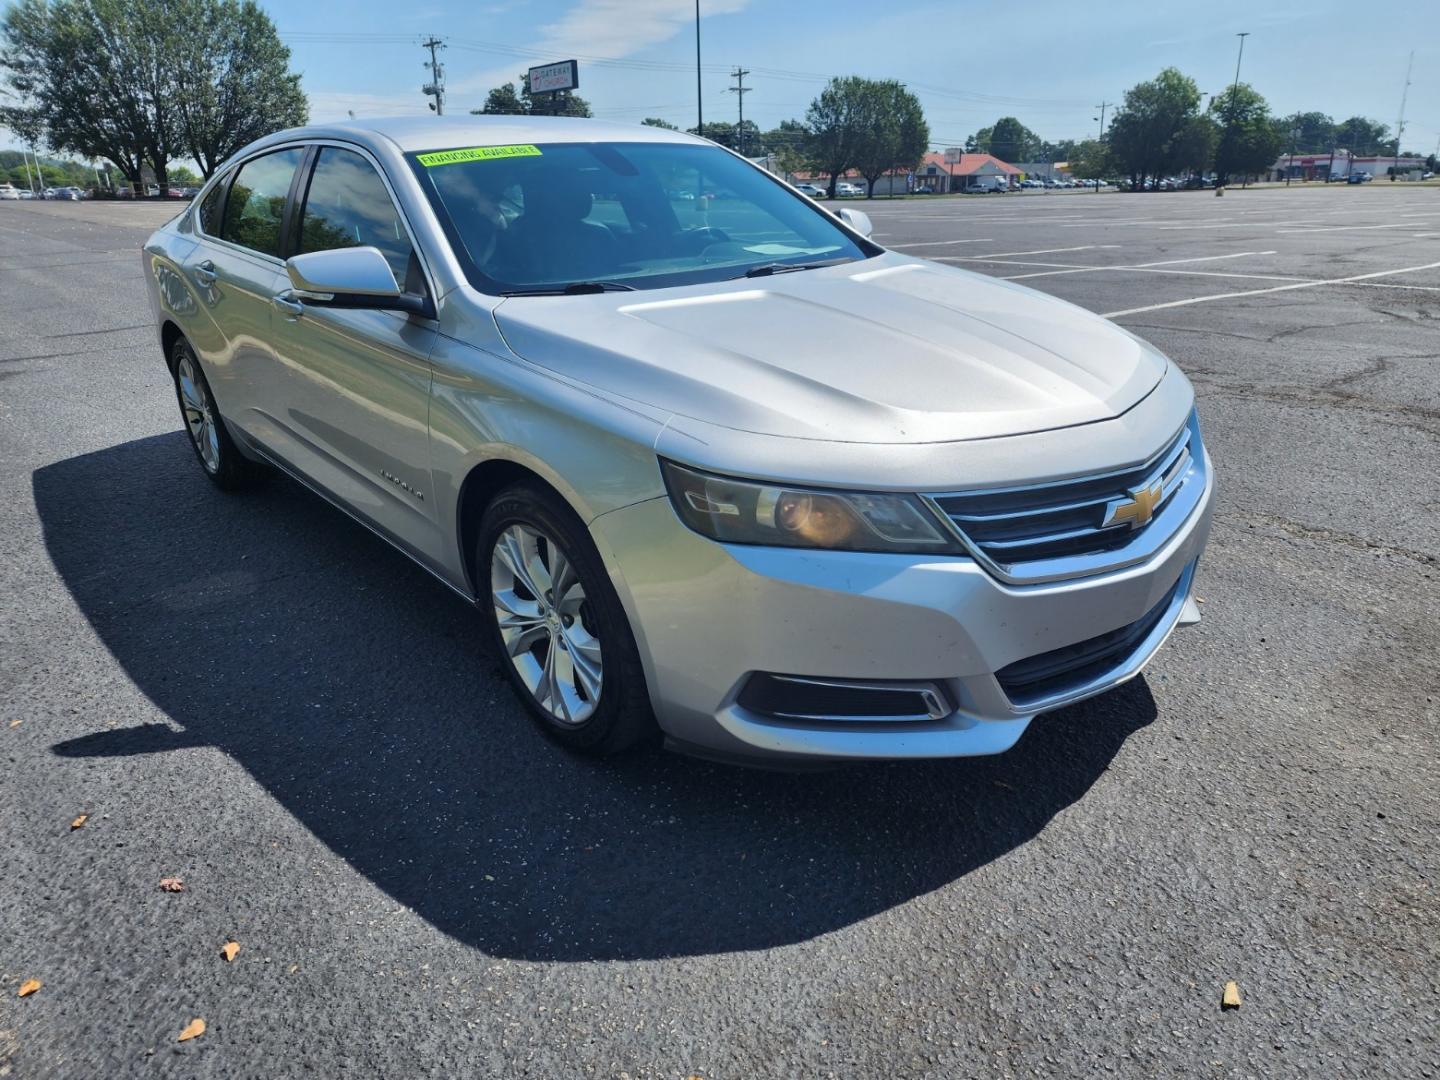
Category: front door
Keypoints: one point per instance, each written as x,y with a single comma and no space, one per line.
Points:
356,383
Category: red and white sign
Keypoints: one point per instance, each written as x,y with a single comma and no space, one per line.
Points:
548,78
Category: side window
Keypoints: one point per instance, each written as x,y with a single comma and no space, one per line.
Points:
210,208
256,206
349,206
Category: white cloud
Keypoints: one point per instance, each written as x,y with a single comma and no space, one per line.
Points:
610,29
327,106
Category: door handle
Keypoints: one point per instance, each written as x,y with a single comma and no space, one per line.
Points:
284,304
205,273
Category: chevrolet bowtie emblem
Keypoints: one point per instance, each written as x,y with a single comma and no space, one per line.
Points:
1137,509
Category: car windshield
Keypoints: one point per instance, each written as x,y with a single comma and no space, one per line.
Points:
623,215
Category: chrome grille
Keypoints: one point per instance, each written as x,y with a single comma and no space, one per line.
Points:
1086,525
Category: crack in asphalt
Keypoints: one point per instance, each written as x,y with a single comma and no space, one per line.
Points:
1297,530
1416,417
107,330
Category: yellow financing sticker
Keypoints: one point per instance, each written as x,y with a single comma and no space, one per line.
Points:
475,153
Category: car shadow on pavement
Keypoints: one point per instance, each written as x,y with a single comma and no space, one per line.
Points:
354,688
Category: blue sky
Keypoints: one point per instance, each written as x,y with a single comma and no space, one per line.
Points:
1045,61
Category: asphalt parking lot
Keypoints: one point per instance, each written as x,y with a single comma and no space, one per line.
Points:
255,695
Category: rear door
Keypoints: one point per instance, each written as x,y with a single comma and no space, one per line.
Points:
356,383
236,269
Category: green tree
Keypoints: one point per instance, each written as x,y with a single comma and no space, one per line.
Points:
1150,133
506,100
233,82
136,81
502,101
1311,132
834,120
1249,143
979,143
1364,137
1010,140
790,143
1062,150
1090,160
81,88
655,121
893,131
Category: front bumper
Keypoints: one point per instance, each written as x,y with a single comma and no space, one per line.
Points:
706,616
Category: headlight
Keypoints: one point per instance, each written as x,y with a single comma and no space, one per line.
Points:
753,512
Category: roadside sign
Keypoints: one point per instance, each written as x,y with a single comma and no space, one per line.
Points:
952,155
547,78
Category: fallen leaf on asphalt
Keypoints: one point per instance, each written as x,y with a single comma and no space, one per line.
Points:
1231,1000
16,723
28,987
229,949
172,884
79,821
193,1030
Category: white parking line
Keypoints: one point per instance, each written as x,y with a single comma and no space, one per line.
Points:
1145,266
1011,254
1276,289
939,243
1348,228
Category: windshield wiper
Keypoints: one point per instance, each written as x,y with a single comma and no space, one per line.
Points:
575,288
770,269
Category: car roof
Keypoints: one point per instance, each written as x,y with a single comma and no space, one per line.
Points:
416,133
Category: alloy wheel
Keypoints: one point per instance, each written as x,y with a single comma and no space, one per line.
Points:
545,623
199,413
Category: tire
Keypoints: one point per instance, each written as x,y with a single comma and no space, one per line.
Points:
205,428
549,647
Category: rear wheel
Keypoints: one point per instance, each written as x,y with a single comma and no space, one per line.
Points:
209,437
558,625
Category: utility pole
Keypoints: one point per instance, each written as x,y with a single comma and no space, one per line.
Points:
29,184
436,86
1294,135
1102,107
1400,125
699,95
740,90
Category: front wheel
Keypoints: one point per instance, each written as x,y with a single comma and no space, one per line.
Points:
561,633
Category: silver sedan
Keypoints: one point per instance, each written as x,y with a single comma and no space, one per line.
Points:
710,462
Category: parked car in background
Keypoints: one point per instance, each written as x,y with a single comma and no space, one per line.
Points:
9,193
658,454
812,190
924,189
175,193
1360,178
846,190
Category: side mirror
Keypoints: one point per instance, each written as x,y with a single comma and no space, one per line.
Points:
857,220
358,277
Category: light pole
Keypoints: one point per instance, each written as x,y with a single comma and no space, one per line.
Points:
699,96
1235,88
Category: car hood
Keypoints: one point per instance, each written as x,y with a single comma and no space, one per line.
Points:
888,350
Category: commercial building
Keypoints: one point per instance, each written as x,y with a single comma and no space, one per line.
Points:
1341,164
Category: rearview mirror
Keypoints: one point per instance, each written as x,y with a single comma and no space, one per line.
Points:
857,220
358,277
